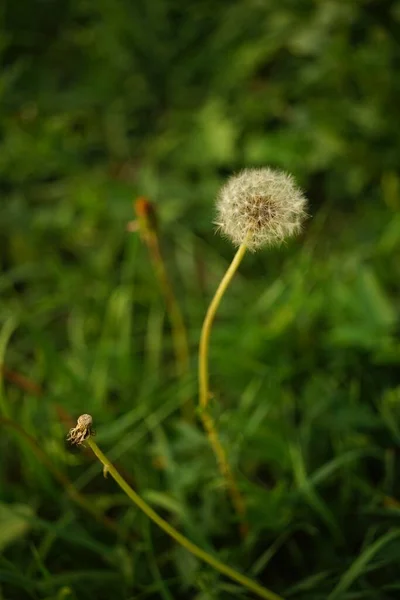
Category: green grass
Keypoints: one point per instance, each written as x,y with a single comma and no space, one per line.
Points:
305,350
303,369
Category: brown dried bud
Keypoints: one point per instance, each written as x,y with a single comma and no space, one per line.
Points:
82,431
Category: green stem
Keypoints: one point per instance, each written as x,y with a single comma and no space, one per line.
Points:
204,392
173,533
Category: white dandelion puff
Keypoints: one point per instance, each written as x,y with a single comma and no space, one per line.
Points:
260,207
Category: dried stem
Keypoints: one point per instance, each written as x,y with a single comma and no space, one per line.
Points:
148,230
20,381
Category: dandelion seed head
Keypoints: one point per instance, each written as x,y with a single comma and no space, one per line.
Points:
260,207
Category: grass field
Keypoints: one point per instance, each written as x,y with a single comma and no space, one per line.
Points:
105,102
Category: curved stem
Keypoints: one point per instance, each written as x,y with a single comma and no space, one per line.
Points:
173,533
204,392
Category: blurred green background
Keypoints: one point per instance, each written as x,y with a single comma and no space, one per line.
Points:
106,100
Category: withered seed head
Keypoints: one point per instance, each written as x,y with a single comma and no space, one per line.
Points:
82,431
85,421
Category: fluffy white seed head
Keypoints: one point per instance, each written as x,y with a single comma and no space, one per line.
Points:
260,207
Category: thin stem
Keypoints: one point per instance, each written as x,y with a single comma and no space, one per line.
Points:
204,392
178,328
173,533
147,227
24,383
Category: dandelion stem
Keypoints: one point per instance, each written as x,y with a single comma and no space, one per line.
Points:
204,392
178,537
147,227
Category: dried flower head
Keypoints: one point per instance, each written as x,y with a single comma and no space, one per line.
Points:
260,207
82,431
